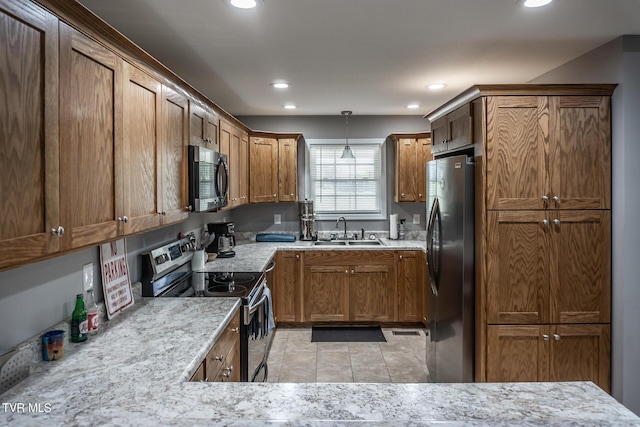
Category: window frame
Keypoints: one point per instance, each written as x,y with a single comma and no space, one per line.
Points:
382,184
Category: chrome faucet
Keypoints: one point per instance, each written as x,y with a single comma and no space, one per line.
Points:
345,225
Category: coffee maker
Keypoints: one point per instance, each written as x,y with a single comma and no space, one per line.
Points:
224,241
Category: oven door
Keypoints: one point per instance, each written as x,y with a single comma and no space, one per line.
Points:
258,336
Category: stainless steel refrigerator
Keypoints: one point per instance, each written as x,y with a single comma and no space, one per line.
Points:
450,259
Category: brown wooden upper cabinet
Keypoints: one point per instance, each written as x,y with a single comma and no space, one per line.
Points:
546,267
204,124
273,169
233,143
452,131
546,152
412,154
29,162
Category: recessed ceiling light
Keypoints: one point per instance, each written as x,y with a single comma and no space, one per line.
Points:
290,106
413,106
436,86
244,4
280,85
536,3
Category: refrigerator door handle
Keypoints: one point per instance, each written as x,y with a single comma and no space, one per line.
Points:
432,268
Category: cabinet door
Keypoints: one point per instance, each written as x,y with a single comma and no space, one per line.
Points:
175,137
517,267
580,266
230,371
234,168
287,170
581,353
286,289
411,286
424,156
460,127
91,83
326,293
517,353
517,152
406,170
439,134
244,167
29,133
372,293
199,374
263,169
198,125
142,154
580,156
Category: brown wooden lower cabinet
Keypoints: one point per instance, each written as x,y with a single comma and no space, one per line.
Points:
285,287
411,268
326,293
549,353
222,363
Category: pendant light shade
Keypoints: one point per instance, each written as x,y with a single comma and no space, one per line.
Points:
347,153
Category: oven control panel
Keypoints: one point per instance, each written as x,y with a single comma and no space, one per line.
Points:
170,256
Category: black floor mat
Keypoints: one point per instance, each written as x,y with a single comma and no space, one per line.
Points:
347,334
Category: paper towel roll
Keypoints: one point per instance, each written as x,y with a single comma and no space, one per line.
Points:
393,226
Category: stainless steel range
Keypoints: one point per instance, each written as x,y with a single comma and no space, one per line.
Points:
166,272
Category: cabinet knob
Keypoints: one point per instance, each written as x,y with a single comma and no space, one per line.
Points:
545,199
556,337
556,199
401,257
352,272
346,271
275,195
291,195
58,231
162,213
556,221
545,222
219,358
402,194
419,194
123,219
545,337
236,330
297,256
189,208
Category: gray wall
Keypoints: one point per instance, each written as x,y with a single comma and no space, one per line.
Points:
248,218
619,62
36,296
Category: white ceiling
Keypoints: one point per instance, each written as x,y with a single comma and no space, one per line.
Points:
369,56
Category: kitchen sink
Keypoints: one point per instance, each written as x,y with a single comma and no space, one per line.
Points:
348,242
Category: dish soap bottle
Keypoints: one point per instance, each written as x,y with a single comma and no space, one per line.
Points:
79,323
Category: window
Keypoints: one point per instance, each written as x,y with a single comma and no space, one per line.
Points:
353,188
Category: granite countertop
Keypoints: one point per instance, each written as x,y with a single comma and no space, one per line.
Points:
254,256
134,374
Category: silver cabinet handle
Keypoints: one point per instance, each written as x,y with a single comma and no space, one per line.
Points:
297,256
556,199
275,195
162,213
545,337
346,271
236,330
556,337
352,272
402,194
545,199
556,221
400,256
545,222
58,231
219,358
123,219
189,208
419,194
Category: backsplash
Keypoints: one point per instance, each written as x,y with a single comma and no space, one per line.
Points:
326,235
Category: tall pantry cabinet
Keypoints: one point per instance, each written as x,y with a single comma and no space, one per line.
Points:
543,246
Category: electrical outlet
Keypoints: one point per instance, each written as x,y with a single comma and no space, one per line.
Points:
87,276
277,219
416,218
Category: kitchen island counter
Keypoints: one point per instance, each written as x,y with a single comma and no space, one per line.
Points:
134,373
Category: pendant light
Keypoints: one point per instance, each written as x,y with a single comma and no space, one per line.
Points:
347,153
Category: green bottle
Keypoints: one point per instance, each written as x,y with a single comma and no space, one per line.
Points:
79,321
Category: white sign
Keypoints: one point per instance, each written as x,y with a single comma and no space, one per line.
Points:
116,281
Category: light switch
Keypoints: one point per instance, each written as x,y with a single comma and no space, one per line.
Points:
277,219
416,218
87,276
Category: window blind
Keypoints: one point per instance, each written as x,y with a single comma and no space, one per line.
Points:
346,185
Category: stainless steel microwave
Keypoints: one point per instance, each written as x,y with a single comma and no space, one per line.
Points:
208,179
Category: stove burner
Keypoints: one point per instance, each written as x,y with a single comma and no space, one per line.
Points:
229,289
233,278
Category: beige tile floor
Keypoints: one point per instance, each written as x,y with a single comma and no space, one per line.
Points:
295,359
